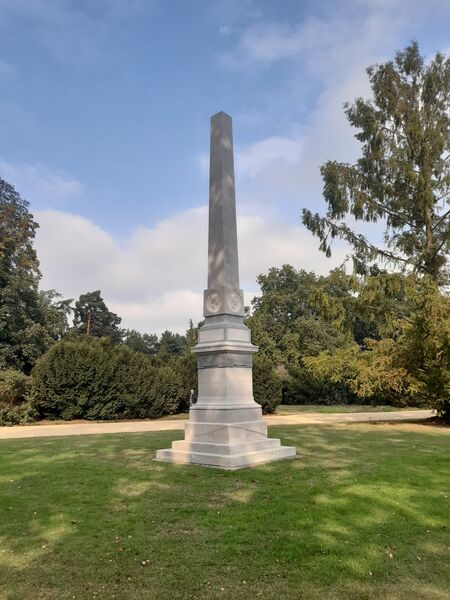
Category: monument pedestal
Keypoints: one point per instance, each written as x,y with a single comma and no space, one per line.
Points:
242,444
225,427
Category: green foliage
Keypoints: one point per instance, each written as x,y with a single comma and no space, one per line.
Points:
14,406
304,386
171,344
93,378
141,342
425,344
371,375
412,366
93,318
23,332
403,175
287,322
266,384
56,313
13,387
20,414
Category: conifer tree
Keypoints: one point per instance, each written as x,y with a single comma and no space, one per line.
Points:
93,318
403,175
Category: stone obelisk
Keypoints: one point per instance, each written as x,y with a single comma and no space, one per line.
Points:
225,427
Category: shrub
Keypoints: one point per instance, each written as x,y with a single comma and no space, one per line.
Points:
266,384
17,415
302,386
372,375
425,345
14,407
91,378
13,387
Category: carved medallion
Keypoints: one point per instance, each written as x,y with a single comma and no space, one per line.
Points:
235,302
213,302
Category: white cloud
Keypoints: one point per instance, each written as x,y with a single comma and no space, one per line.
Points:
40,182
256,157
225,30
171,311
156,279
252,160
268,42
330,54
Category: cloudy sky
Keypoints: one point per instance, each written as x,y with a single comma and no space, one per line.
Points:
104,129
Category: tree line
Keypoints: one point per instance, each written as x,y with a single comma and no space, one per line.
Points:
66,359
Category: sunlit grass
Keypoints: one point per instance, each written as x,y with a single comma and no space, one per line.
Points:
363,512
293,409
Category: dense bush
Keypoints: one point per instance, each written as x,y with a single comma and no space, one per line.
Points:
13,387
301,386
17,415
92,378
424,348
14,408
266,384
371,375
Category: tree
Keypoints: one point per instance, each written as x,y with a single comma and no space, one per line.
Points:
141,342
287,319
23,333
266,384
93,318
56,312
403,175
171,344
424,346
375,374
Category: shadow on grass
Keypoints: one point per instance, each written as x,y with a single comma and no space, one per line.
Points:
362,513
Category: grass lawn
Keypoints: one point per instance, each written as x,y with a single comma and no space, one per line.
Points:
293,409
362,513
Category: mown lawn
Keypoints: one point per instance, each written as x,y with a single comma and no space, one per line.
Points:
293,409
363,512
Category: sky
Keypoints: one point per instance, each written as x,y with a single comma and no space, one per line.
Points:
104,129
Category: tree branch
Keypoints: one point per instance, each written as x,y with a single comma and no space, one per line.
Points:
361,240
442,218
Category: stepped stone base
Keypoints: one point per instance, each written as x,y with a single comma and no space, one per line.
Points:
230,442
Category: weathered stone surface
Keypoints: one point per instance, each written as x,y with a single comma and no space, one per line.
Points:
224,359
225,427
223,265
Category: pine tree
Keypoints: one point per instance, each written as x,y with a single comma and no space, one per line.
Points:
93,318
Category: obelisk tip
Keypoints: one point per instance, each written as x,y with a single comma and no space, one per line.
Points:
220,115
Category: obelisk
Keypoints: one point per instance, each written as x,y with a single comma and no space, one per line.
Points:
225,428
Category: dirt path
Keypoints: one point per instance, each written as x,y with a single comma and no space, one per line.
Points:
62,429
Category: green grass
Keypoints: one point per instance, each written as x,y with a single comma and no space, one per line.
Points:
363,512
293,409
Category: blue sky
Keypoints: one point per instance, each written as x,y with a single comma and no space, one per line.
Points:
104,128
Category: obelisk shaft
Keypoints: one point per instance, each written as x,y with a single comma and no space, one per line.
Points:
223,266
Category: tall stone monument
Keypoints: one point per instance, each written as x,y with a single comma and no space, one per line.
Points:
225,427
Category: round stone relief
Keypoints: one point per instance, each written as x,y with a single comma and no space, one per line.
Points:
213,302
235,302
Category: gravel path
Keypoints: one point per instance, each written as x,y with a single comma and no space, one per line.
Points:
62,429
